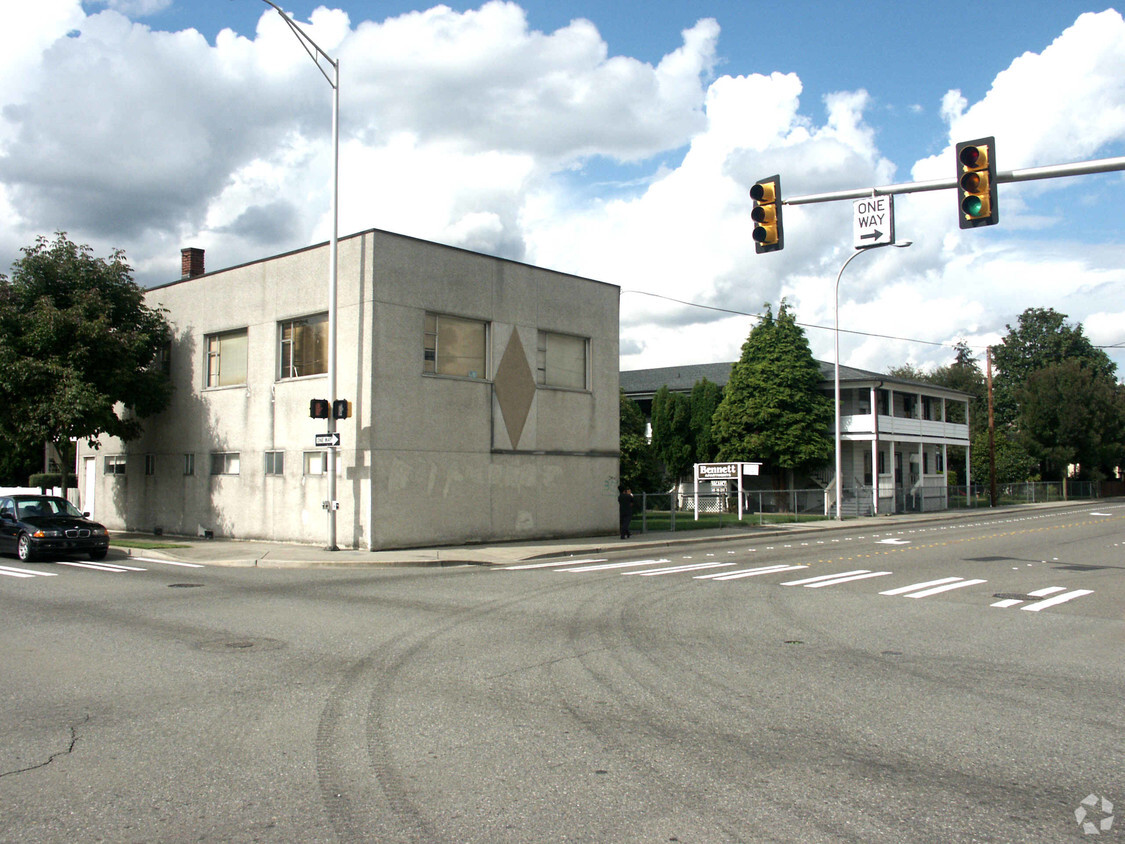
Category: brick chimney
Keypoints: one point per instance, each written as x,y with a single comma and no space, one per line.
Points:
191,262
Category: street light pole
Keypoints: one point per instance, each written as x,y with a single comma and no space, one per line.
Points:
316,53
836,308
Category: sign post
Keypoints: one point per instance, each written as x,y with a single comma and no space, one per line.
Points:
723,472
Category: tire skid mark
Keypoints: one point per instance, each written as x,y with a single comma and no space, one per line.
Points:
363,789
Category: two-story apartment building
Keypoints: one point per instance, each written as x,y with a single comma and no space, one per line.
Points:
895,433
484,397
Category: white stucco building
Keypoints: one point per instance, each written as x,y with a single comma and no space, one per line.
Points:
484,402
895,434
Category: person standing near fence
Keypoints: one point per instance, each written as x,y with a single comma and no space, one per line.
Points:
625,510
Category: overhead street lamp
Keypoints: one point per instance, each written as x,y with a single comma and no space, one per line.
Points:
316,53
839,458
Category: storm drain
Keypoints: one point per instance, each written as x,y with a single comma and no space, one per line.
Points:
1015,596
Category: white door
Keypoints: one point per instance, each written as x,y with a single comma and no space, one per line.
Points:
89,465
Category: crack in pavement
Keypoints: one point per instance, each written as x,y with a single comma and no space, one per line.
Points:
53,756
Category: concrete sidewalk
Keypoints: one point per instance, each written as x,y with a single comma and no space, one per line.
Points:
233,552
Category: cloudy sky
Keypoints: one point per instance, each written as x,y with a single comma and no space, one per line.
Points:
614,140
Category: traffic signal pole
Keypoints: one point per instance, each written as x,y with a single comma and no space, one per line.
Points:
1055,171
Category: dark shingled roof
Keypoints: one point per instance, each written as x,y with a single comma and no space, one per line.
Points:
643,383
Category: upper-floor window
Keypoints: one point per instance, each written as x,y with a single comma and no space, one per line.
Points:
303,346
115,464
316,463
561,360
275,462
225,462
164,358
455,346
226,358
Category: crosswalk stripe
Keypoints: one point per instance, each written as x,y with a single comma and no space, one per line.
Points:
1038,593
110,567
10,571
1058,599
553,564
188,565
678,569
823,577
736,575
925,593
609,566
835,579
904,589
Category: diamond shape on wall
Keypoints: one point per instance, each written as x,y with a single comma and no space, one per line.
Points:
514,386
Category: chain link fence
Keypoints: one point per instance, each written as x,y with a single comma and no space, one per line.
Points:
664,511
977,495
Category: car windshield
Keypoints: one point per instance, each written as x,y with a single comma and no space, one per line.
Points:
40,506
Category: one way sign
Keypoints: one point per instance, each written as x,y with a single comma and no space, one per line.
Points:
873,223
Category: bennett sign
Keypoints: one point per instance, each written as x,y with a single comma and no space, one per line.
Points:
725,471
718,471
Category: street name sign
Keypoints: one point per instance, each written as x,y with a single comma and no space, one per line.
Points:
328,440
873,221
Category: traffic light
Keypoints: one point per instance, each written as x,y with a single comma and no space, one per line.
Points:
768,236
976,183
319,408
341,409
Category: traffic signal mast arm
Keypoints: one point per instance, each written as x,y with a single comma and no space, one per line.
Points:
1056,171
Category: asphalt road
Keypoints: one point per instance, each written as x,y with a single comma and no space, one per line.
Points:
944,682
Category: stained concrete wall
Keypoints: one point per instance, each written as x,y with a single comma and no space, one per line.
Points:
424,459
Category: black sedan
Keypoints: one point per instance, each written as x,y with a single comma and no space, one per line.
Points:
33,525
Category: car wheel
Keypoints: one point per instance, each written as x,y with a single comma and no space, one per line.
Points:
24,550
98,555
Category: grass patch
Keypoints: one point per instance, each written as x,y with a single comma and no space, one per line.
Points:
144,545
661,520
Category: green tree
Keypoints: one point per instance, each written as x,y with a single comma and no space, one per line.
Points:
79,349
772,409
705,399
639,469
964,374
1013,463
909,372
16,466
671,431
1042,337
1070,414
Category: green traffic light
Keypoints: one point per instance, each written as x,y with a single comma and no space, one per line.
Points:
972,206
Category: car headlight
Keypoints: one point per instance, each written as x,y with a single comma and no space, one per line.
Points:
47,534
99,532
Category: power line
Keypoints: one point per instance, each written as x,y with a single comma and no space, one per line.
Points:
802,324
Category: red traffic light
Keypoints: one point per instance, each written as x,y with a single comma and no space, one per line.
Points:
971,156
976,183
766,214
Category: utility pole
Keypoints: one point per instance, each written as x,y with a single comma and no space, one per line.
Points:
991,434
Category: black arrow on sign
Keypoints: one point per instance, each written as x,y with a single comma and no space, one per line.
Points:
875,235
